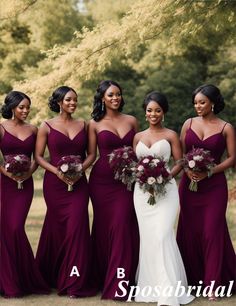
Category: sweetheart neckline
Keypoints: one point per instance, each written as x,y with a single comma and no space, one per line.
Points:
121,138
219,133
153,143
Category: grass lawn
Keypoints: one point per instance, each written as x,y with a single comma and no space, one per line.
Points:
33,228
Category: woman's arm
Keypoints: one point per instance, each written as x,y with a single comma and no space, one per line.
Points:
135,124
136,139
92,145
41,143
176,153
184,129
33,165
230,147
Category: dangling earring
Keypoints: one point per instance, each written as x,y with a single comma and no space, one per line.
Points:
103,106
60,109
163,118
146,118
212,108
13,115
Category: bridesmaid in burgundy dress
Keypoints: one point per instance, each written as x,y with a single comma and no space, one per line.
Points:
115,231
203,235
18,271
63,253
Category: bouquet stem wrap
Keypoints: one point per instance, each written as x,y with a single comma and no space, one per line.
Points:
198,160
71,167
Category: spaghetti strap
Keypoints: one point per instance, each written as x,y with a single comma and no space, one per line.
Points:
48,124
223,127
3,127
190,123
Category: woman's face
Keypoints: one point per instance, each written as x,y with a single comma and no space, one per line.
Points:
202,104
154,113
112,98
21,111
69,102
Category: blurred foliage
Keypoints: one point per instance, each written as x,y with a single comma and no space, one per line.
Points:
169,46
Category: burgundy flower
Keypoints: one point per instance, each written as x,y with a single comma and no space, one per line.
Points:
152,176
123,161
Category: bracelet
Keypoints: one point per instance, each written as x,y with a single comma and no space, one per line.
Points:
209,173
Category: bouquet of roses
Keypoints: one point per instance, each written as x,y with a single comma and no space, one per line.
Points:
152,176
17,165
71,167
123,162
198,160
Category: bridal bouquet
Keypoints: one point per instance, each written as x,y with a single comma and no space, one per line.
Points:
198,160
17,165
152,176
123,161
71,167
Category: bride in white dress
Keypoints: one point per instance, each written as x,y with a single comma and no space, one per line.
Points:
160,269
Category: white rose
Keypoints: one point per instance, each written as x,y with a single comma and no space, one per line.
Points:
191,164
159,179
198,157
140,168
146,161
155,161
17,157
151,180
78,168
125,155
64,168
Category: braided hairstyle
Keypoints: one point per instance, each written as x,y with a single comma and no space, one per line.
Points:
98,111
11,101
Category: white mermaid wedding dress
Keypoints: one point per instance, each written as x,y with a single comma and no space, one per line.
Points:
161,268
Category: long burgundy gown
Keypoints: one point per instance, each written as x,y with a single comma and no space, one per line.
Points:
65,245
115,235
202,235
18,271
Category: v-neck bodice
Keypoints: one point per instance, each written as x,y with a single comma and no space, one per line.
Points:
215,143
11,144
61,145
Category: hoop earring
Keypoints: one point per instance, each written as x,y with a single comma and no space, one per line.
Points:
103,106
212,108
163,118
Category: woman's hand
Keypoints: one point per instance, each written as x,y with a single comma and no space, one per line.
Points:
67,180
21,178
196,176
